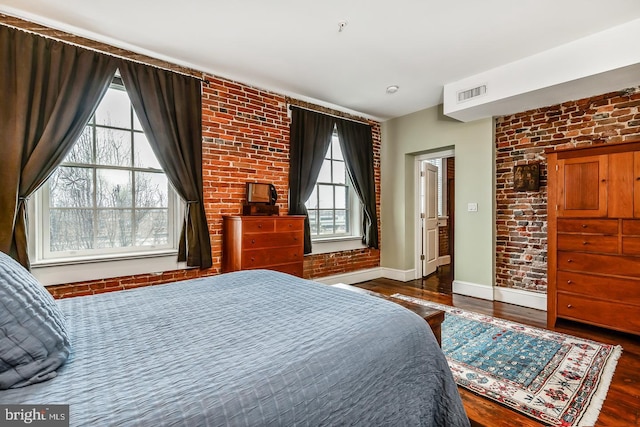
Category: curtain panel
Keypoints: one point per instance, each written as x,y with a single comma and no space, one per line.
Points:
356,141
168,106
310,136
50,90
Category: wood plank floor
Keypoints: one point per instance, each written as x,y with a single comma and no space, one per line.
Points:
622,406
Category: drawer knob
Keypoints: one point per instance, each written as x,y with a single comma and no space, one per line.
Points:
585,243
259,225
253,240
584,225
252,259
569,306
569,260
569,282
290,225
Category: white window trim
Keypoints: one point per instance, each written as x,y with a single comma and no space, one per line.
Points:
104,266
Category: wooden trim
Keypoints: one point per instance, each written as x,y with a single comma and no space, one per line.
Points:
613,147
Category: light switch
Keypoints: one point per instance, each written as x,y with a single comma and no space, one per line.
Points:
472,207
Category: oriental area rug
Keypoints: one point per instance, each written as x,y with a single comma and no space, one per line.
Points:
554,378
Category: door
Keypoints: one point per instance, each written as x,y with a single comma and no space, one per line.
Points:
582,186
429,175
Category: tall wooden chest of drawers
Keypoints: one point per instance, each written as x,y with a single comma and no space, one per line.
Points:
270,242
593,262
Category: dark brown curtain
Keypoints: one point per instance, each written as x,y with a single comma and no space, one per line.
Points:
356,141
49,91
169,107
310,138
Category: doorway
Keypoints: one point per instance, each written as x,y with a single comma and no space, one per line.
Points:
435,174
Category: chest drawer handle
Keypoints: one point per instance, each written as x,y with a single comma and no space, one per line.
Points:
569,282
584,226
569,260
252,259
259,225
253,240
569,306
585,243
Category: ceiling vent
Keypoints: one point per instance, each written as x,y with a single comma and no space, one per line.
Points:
466,95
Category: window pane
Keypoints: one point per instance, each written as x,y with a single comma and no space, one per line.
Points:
337,151
71,187
70,229
151,227
113,147
326,222
325,172
114,109
114,228
313,221
339,173
82,151
341,222
113,189
143,155
326,196
341,197
312,201
152,190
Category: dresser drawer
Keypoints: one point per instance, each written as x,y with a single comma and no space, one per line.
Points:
259,225
603,264
605,287
258,258
595,226
631,245
631,226
588,243
271,240
289,225
623,317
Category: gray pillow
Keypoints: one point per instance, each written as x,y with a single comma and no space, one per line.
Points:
33,336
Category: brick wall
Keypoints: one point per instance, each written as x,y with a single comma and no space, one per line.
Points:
245,138
521,217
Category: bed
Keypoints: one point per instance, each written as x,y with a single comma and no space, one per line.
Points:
249,348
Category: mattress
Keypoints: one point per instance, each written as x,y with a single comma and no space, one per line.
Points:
250,348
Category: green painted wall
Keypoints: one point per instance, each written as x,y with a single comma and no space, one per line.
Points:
404,138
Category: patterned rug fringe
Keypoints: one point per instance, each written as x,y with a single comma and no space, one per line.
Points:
590,413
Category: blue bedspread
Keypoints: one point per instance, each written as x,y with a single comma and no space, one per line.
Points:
252,348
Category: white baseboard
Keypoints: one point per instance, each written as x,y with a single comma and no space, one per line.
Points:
400,275
444,260
519,297
351,277
472,290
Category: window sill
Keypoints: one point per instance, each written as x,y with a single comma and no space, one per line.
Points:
336,244
61,271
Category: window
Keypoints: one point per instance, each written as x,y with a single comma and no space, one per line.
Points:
109,195
331,205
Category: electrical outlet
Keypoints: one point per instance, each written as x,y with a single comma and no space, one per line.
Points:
472,207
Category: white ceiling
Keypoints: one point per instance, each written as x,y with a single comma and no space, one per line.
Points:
294,47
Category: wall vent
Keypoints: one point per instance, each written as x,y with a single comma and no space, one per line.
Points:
465,95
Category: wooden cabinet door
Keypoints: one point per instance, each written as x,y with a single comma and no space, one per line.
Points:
620,203
582,186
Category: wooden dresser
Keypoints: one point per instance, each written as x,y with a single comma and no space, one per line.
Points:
270,242
593,263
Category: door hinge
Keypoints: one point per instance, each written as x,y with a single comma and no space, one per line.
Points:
556,207
423,216
421,173
422,257
556,168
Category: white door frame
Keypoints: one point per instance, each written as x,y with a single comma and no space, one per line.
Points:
416,216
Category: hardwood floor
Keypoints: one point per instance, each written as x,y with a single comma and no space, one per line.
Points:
622,406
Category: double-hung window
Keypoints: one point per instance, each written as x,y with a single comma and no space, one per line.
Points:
333,207
109,196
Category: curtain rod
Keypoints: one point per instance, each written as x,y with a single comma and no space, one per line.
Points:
353,119
42,31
